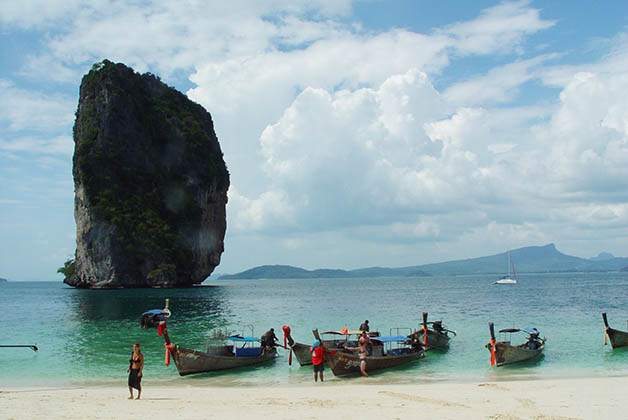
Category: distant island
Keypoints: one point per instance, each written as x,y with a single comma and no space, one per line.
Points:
290,272
3,280
532,259
603,256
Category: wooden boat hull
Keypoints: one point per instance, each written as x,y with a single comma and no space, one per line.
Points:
189,362
302,353
435,340
506,354
617,338
344,363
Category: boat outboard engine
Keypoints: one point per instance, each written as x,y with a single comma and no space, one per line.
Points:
152,318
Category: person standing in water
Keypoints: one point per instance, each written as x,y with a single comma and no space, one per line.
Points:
362,349
318,358
136,365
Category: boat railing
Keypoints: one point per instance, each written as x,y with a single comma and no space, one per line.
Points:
398,331
251,328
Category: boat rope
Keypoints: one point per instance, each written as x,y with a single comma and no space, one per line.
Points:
169,347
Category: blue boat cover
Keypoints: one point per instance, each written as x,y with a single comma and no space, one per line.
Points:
243,339
391,339
248,352
153,311
530,330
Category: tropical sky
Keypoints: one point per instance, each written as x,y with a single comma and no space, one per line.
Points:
357,133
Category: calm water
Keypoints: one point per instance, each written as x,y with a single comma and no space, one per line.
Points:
86,335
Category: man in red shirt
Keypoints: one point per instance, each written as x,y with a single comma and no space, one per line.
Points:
318,358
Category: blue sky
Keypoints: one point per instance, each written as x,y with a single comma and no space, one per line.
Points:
357,133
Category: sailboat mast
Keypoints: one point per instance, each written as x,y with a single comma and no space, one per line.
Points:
513,269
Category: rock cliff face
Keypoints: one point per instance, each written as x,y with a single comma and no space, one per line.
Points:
150,184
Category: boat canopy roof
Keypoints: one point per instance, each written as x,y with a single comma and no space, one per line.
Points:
530,331
344,332
242,339
153,312
391,339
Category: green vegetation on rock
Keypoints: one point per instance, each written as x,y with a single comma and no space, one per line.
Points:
147,158
68,269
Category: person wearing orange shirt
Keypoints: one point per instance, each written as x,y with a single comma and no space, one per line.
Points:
318,358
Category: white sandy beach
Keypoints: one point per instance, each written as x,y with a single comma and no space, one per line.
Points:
593,398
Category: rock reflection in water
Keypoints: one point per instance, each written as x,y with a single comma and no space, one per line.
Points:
106,324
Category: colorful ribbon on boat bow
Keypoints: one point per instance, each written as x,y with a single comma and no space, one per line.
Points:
169,347
286,333
425,335
493,344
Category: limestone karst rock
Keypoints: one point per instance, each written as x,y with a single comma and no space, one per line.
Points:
150,184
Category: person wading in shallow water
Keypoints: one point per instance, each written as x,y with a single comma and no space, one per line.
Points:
362,349
318,358
136,365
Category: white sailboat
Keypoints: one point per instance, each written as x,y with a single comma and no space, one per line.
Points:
507,279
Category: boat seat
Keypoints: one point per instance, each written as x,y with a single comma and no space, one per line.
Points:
377,351
247,352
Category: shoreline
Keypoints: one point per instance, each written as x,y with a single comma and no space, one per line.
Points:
304,379
546,399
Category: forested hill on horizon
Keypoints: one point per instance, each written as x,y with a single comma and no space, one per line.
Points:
531,259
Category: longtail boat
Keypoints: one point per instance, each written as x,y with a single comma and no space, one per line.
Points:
218,357
617,338
339,339
231,351
433,335
504,353
28,346
401,350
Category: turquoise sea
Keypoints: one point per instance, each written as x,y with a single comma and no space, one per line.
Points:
85,336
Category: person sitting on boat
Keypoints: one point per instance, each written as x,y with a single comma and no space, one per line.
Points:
363,350
533,341
365,326
318,352
269,339
438,326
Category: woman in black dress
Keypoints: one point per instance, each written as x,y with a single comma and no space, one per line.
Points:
136,365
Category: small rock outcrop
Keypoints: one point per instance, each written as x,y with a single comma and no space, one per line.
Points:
150,184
